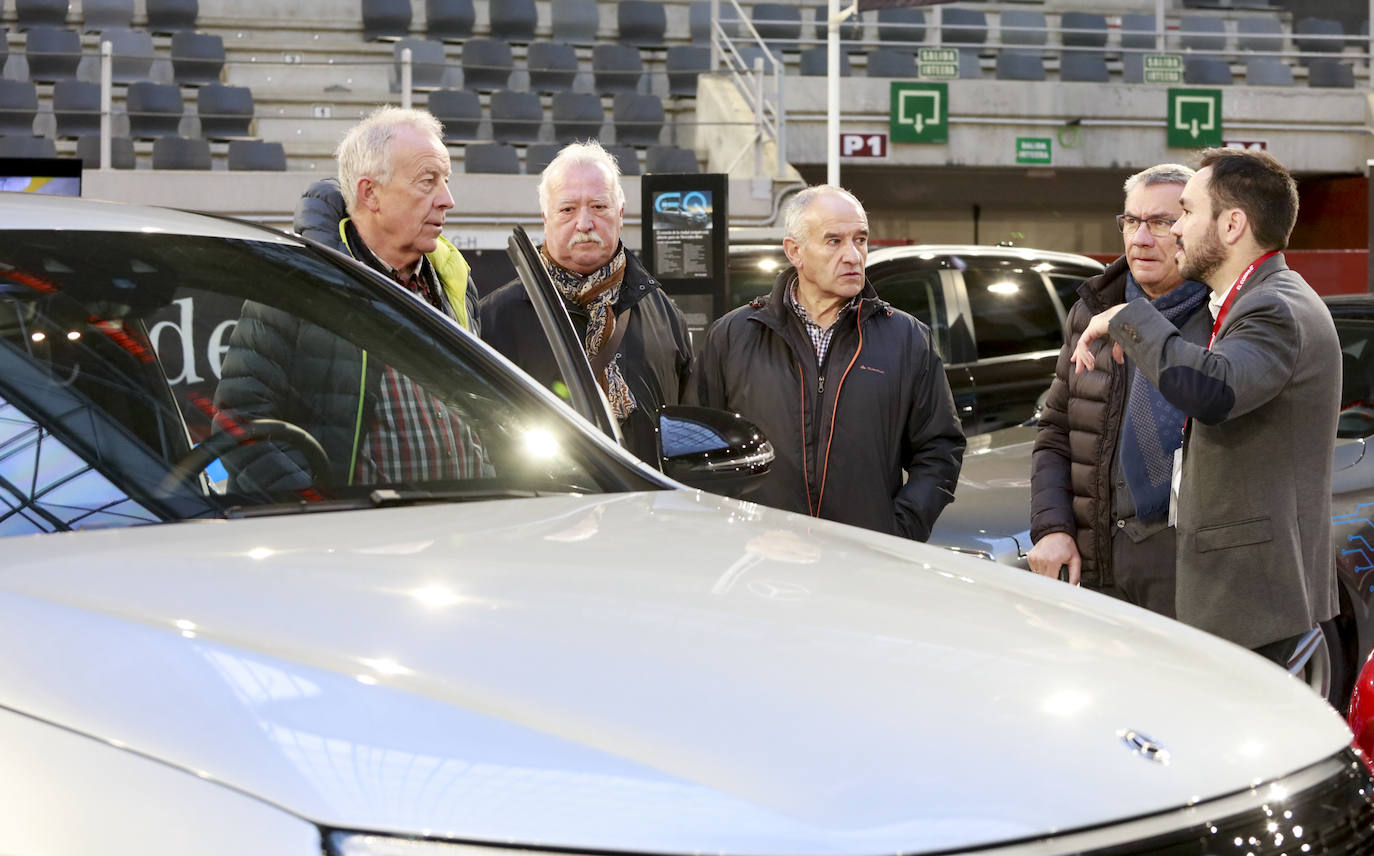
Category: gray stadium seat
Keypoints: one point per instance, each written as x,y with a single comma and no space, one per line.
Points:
427,62
459,111
131,54
747,55
27,146
1138,31
1206,71
670,159
552,66
1020,65
642,23
76,108
1090,27
181,153
638,119
121,152
963,27
699,21
684,63
259,155
1328,73
226,112
487,64
1267,71
1319,35
1133,67
18,107
778,24
574,21
1084,66
970,67
616,68
851,28
155,109
899,24
513,20
897,63
97,15
449,20
40,13
815,62
1202,33
577,116
53,53
386,19
516,117
626,157
1259,34
172,16
197,58
491,158
1024,27
540,155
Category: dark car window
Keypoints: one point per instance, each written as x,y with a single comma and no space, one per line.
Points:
130,364
1012,311
1357,376
919,293
752,273
1066,286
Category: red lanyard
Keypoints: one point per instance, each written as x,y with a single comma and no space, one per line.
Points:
1235,290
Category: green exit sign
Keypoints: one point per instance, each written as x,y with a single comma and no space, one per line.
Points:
1036,151
919,112
1194,118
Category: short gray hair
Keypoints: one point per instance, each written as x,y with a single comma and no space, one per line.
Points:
366,149
1164,173
589,153
795,208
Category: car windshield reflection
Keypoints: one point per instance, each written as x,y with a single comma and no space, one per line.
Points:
148,377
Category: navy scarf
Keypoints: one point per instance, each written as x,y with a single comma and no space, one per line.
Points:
1153,428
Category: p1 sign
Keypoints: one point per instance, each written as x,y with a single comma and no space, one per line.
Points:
863,145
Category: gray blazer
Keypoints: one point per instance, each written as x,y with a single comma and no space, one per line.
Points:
1254,512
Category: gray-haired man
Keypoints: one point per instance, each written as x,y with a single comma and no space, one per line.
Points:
1101,469
849,390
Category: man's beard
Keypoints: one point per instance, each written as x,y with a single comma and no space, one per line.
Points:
1201,259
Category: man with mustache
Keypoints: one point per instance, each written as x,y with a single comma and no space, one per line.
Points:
634,335
1103,456
1262,398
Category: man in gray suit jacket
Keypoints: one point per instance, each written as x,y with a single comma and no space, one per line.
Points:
1254,505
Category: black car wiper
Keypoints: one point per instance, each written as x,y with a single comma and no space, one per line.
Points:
392,498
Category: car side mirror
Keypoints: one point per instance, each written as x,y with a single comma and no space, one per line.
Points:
713,450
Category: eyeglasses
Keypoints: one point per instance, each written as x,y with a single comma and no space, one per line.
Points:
1157,226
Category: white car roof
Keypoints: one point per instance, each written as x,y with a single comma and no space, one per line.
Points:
44,212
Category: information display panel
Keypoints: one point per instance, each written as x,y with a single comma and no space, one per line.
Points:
686,235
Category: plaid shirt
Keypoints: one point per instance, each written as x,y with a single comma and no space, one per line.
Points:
820,336
413,436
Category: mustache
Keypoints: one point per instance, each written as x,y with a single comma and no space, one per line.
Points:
589,237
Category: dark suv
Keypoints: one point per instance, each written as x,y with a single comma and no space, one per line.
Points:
997,314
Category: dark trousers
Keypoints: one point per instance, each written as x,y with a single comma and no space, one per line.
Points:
1280,651
1144,572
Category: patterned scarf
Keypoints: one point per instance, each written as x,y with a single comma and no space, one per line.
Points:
596,293
1153,428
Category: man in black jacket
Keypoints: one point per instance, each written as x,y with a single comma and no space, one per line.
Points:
849,390
633,333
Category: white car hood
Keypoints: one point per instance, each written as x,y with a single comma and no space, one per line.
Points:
669,672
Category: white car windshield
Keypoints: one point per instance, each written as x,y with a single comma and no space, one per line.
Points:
147,377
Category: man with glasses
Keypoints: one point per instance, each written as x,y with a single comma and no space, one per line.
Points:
1100,473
